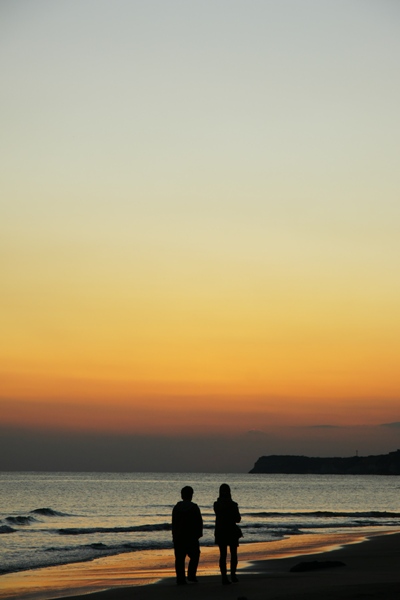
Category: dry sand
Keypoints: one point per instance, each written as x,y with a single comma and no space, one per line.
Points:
371,571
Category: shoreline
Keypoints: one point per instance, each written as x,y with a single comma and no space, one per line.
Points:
264,571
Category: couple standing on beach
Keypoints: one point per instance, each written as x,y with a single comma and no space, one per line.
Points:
187,529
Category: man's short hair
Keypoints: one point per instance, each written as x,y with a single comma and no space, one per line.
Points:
187,492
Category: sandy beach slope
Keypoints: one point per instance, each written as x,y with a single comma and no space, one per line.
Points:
371,571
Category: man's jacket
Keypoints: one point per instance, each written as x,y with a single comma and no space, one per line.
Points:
187,522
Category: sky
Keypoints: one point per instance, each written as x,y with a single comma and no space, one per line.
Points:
199,217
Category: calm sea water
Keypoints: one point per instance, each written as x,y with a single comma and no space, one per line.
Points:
57,518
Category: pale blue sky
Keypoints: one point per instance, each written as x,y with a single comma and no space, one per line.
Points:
246,126
226,105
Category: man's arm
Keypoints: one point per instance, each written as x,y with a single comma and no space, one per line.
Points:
199,522
174,521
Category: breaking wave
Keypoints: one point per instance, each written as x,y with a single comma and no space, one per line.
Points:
324,514
20,520
48,512
6,529
137,528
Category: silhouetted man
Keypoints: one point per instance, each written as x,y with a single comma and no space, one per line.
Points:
187,529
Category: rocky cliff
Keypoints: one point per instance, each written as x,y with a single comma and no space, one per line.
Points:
383,464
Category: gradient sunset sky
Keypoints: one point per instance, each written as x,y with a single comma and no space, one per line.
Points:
200,219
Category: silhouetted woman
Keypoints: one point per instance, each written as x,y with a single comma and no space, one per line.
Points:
227,532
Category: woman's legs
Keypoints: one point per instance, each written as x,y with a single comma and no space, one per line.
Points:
234,560
223,552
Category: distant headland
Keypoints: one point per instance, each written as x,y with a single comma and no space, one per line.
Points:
383,464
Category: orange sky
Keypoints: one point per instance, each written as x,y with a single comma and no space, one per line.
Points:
200,238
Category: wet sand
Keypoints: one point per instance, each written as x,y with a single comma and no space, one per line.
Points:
371,570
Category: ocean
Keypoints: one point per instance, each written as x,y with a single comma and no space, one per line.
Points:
49,519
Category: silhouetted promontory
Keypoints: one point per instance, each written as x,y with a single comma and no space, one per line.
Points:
383,464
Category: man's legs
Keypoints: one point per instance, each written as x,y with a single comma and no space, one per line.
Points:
193,552
180,555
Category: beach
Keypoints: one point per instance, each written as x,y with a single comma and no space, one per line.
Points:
370,570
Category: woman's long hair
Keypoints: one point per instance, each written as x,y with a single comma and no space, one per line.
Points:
224,492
